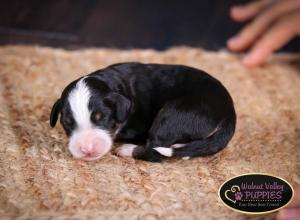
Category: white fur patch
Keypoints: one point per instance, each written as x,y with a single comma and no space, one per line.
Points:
125,150
79,101
166,151
177,145
185,158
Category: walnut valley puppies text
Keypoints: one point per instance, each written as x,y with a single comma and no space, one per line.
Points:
264,191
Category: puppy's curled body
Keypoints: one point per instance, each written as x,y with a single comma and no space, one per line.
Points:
164,110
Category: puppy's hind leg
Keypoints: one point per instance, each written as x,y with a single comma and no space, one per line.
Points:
209,145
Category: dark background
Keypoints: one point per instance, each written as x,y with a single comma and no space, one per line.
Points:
126,24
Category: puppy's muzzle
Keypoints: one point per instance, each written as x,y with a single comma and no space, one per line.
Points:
90,144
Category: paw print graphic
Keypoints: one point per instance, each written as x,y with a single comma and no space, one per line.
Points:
238,196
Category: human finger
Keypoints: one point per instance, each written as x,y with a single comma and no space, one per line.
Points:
277,36
247,11
252,31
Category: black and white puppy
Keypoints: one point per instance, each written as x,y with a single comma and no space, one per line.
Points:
160,111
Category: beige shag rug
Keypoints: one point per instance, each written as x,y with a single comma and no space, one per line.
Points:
40,180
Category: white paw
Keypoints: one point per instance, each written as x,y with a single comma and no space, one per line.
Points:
166,151
125,150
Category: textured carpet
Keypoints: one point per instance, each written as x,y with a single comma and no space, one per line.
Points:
40,180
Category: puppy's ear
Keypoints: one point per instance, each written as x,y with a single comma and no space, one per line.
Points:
121,106
54,113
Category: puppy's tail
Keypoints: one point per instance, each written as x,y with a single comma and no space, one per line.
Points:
210,145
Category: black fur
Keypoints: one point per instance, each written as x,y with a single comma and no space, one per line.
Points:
159,105
54,113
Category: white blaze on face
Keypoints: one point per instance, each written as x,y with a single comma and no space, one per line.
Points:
87,141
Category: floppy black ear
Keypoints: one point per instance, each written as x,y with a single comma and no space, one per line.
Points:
54,113
121,106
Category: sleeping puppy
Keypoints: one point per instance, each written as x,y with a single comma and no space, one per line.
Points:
158,111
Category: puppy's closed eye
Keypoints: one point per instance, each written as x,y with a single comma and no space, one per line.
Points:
96,116
69,121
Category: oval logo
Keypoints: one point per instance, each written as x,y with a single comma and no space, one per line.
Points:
256,193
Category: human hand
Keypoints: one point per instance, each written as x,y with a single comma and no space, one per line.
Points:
275,22
292,211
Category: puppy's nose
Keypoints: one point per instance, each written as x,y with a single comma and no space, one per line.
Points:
87,148
91,148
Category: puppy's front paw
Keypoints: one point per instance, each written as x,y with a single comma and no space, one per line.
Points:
125,150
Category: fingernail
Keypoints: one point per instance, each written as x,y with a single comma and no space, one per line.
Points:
250,61
248,58
288,214
232,41
237,7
